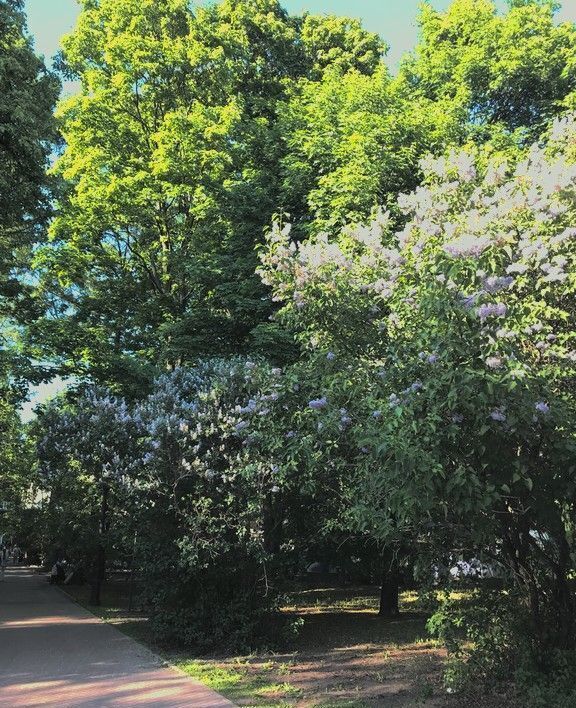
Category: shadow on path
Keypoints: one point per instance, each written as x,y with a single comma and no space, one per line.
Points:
55,653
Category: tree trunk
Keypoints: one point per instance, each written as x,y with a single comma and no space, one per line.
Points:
272,524
389,587
564,599
100,565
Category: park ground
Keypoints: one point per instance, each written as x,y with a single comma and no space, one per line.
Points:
345,655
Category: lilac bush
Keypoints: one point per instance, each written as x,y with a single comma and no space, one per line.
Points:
459,330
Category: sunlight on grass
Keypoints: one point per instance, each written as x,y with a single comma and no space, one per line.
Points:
240,682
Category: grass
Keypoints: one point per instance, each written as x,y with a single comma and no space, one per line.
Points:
344,657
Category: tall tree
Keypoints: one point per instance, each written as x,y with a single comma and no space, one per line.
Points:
354,142
172,162
28,93
507,72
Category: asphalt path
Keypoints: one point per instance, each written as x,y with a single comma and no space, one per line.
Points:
55,653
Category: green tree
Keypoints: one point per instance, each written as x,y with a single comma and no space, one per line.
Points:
354,143
506,72
172,164
28,93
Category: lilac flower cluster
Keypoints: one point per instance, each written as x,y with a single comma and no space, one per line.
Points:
318,403
491,309
467,246
494,283
494,362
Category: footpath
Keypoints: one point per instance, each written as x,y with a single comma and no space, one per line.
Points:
55,653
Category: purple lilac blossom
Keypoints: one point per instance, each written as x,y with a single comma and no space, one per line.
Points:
393,400
491,309
469,301
542,407
318,403
498,415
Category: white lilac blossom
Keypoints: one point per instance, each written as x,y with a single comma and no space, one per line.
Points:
494,283
494,362
498,414
467,246
517,268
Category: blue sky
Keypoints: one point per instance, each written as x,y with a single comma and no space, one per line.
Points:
395,20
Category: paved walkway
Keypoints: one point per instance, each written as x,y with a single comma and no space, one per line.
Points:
55,653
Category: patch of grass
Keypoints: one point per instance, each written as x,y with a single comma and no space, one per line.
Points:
240,681
278,689
216,677
341,704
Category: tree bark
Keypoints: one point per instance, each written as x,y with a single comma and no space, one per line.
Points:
100,565
389,588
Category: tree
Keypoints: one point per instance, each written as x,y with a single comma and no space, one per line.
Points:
17,471
28,93
172,164
175,476
354,143
86,452
27,132
507,73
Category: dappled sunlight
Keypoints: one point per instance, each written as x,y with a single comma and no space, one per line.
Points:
48,621
150,690
54,653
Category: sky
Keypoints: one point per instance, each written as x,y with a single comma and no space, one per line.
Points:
394,20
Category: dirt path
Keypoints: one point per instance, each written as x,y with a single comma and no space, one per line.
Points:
55,653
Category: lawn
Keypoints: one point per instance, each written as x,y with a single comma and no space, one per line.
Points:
344,656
